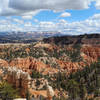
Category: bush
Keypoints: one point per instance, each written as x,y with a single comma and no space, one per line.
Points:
7,92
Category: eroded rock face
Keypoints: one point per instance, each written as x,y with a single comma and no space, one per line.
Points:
28,63
3,62
91,52
70,66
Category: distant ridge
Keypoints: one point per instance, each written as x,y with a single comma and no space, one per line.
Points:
48,37
77,39
25,37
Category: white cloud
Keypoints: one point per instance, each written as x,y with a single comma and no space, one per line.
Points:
90,25
36,20
20,7
97,4
27,17
62,21
18,21
48,4
28,24
65,14
96,16
47,25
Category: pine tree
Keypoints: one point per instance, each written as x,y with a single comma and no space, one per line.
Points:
27,95
73,89
7,92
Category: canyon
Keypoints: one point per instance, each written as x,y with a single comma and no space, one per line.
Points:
47,57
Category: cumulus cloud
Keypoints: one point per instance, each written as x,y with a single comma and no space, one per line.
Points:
27,17
30,15
36,20
18,21
19,7
97,4
48,4
95,16
28,24
90,25
47,26
65,14
5,10
62,21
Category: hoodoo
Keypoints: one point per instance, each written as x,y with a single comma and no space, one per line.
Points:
50,91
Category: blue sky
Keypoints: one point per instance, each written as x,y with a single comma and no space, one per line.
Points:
76,15
65,16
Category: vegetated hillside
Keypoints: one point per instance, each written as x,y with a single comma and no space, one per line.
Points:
69,63
79,39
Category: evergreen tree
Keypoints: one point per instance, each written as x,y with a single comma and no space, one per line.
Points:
73,89
83,91
27,95
7,92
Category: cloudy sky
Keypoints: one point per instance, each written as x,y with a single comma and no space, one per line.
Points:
66,16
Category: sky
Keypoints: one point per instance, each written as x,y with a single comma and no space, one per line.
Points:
65,16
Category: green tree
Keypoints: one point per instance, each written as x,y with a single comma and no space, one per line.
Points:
83,91
7,92
36,74
27,95
97,93
73,89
